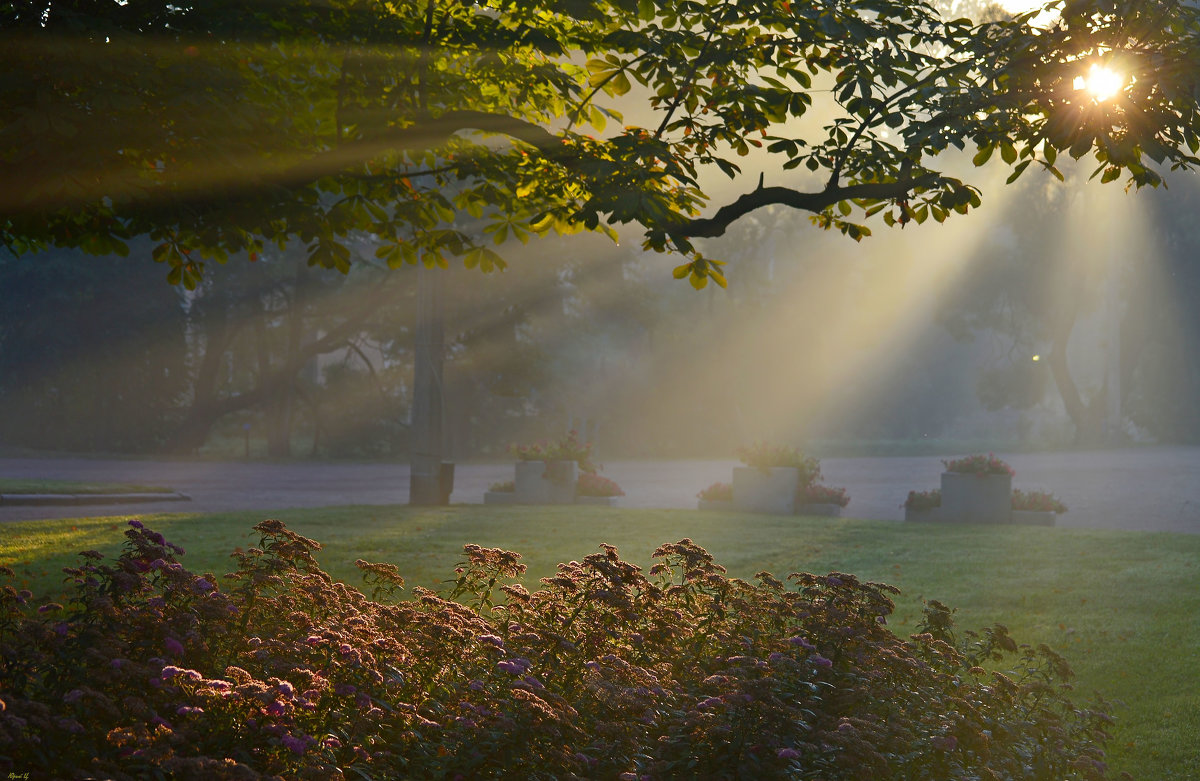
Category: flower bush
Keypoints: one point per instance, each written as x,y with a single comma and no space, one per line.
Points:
979,465
717,492
152,671
822,494
569,448
1038,501
590,484
763,456
923,500
504,486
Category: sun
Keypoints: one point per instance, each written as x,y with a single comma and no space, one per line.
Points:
1101,82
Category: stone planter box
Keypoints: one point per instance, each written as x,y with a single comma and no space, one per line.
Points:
927,515
771,490
968,498
823,509
599,501
715,504
500,497
1034,517
545,482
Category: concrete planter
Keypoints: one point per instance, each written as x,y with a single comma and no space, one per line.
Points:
1034,517
545,482
822,509
771,490
968,498
927,515
715,504
599,501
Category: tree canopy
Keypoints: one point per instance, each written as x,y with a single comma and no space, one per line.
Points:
443,127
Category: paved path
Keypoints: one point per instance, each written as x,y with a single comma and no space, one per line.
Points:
1147,489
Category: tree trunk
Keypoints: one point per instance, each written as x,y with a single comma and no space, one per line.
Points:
428,414
1087,416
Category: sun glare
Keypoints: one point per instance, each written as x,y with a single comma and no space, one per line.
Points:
1101,82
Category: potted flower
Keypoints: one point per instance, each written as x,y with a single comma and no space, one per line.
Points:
547,472
1036,508
718,496
772,477
591,488
977,489
923,506
817,499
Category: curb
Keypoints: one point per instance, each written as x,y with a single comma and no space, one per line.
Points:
13,500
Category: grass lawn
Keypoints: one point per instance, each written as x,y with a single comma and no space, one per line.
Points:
22,486
1124,607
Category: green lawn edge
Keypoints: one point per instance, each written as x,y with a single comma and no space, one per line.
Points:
38,486
1121,606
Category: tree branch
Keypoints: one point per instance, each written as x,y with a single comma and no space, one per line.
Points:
711,227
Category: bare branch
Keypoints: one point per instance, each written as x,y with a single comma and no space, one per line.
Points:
711,227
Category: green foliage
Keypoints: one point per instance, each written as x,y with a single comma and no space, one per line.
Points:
717,492
441,128
151,669
761,455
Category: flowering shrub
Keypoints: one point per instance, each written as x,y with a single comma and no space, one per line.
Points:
923,500
822,494
594,485
1038,501
979,465
569,448
504,486
763,456
605,672
717,492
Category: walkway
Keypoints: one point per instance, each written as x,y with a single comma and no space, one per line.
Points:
1146,489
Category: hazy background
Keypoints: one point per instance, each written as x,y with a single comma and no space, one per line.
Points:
932,333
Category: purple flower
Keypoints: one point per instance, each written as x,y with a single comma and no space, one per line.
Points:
173,646
314,640
276,708
61,629
331,742
286,689
475,685
50,607
787,753
292,743
344,690
157,538
203,585
156,602
345,648
820,661
187,710
72,696
137,524
70,725
492,640
516,666
802,642
117,663
159,721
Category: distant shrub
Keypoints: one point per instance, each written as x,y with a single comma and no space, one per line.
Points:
717,492
504,486
1038,501
594,485
923,500
152,671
